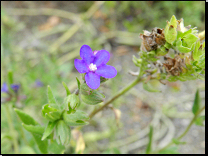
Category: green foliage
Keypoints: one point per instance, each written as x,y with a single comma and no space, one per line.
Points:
56,148
34,129
62,132
148,87
26,119
66,88
196,104
42,145
170,150
72,101
170,30
90,97
77,119
177,142
49,129
51,98
149,146
200,120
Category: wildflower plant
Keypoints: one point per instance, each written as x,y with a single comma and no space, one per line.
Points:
174,53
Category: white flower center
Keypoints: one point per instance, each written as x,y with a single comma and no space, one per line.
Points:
92,67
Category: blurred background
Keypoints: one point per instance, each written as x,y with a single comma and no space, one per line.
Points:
39,42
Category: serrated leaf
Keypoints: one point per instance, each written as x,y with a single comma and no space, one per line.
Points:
56,148
51,98
48,129
63,131
148,87
42,144
34,129
25,118
66,88
91,97
149,146
196,104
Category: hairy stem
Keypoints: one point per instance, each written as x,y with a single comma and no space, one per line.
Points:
123,91
186,130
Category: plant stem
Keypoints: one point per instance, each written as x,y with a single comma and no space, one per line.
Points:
185,132
11,128
123,91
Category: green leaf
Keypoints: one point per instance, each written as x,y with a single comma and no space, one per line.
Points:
170,150
196,104
50,112
181,48
200,120
72,101
66,88
78,82
56,148
10,77
201,62
178,142
51,98
196,54
63,131
42,145
173,21
149,146
148,87
26,119
91,97
76,119
190,39
34,129
27,150
170,30
48,129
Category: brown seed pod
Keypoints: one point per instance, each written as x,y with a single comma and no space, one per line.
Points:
174,66
151,41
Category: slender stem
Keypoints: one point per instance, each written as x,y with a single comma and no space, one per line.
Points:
11,128
123,91
185,132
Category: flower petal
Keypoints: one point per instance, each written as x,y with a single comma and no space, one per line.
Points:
106,71
101,57
92,80
4,88
81,66
86,54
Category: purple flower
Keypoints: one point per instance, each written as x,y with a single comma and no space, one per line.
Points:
15,87
93,63
38,83
4,88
